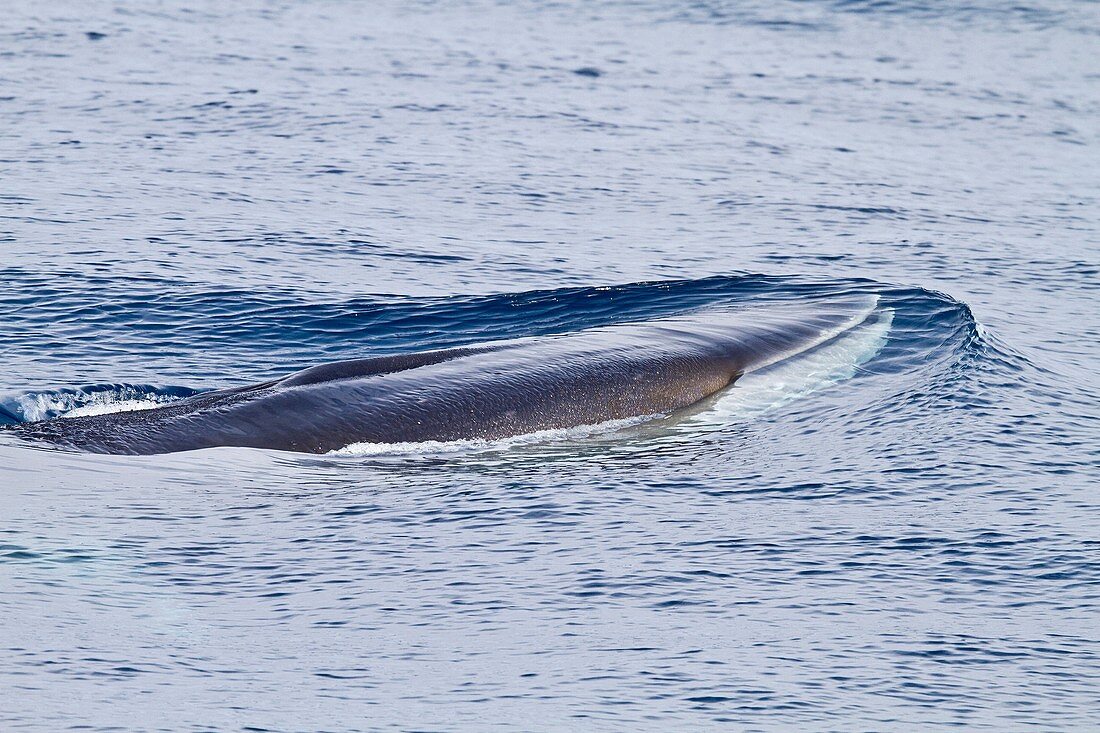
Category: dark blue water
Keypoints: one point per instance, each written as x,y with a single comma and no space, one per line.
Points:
895,531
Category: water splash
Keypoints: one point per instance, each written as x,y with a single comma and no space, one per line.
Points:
88,400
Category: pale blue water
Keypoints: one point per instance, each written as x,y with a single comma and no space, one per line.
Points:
897,532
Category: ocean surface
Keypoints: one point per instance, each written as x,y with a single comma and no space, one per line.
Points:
899,530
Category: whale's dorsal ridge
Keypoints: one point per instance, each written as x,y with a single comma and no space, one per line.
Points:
378,365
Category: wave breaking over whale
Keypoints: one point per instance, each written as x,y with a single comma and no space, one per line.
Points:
624,372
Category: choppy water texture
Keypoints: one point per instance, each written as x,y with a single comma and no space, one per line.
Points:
896,530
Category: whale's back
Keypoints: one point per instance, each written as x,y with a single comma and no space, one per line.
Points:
489,391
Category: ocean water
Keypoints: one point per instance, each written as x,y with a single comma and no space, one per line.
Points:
898,530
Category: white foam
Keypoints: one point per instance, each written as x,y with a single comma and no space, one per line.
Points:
106,408
444,447
34,407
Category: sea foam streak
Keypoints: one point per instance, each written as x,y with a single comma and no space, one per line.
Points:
107,407
438,447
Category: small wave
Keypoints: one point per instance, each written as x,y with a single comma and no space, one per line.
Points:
263,335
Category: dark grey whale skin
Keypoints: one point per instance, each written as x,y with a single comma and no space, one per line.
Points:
491,391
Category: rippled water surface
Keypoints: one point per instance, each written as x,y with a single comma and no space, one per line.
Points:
896,530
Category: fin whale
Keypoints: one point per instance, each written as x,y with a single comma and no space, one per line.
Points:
491,391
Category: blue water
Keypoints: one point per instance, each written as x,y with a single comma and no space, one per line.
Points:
895,531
